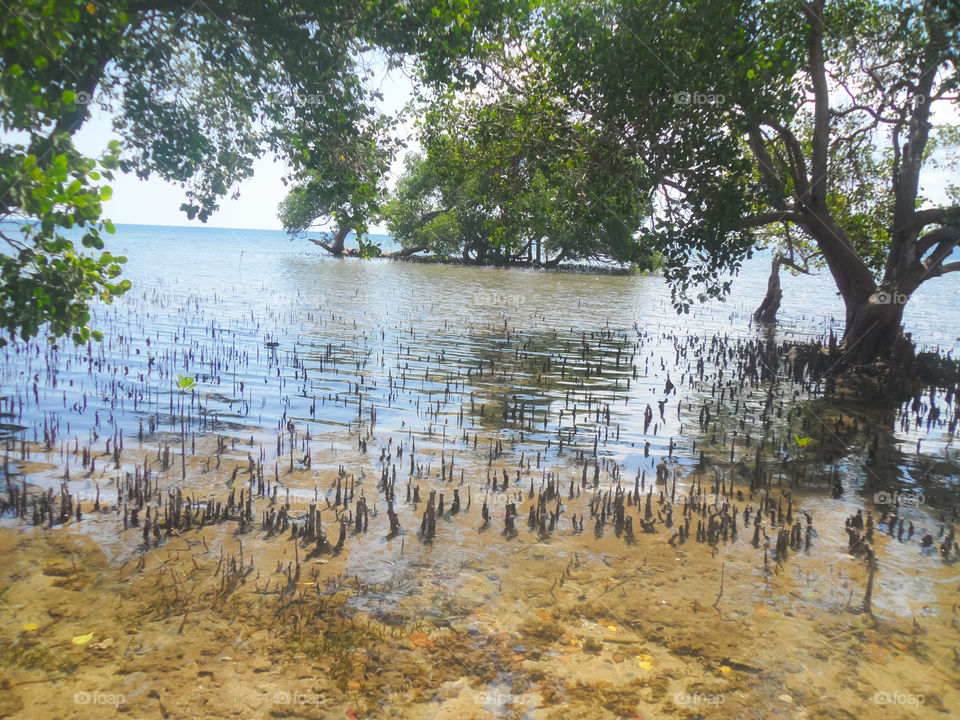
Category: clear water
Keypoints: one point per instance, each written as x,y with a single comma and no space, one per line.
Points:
300,359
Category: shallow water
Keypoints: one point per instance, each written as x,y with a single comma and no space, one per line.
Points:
312,371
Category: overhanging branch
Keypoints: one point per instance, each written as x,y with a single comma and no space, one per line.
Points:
943,270
937,237
936,216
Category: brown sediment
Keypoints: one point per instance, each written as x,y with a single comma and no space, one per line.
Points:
564,610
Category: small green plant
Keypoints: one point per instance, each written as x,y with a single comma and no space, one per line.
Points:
184,383
368,249
800,447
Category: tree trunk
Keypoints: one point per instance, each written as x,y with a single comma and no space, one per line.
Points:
767,312
873,330
555,261
337,248
403,252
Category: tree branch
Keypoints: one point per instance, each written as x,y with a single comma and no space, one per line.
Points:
798,166
821,111
136,6
773,216
803,269
403,252
946,239
943,249
765,163
90,78
935,216
943,270
555,261
907,178
14,242
427,217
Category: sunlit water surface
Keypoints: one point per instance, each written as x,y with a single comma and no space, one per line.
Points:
315,369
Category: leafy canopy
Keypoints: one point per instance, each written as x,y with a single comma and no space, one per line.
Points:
508,173
198,92
51,196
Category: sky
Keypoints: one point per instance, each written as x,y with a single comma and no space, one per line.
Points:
157,202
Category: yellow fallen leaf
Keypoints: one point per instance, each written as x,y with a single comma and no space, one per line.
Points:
769,614
83,639
613,628
645,664
91,8
420,639
30,627
725,669
879,655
